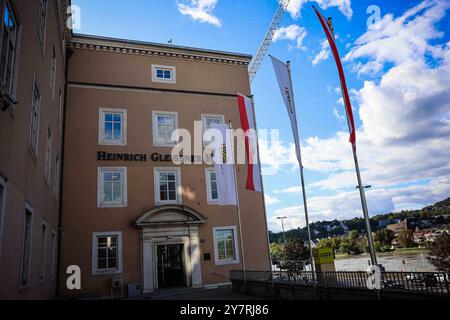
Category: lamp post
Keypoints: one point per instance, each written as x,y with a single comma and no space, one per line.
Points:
282,227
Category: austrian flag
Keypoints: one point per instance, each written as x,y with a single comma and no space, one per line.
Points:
248,126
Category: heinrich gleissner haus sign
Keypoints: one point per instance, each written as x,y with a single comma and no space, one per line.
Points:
144,157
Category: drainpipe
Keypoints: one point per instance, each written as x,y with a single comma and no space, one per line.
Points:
69,54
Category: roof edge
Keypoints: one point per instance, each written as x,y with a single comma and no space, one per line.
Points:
94,39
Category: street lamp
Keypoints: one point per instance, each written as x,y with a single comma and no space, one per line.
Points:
282,227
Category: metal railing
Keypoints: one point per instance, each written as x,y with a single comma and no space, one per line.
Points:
417,282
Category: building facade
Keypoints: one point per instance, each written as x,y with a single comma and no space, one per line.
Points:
129,214
32,83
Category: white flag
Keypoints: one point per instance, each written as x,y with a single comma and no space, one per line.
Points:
284,81
224,166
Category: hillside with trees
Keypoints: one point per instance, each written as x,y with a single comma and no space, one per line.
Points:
436,214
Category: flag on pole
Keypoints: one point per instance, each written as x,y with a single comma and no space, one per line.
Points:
247,123
224,166
327,27
284,81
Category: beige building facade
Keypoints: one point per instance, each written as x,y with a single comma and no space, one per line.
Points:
32,83
130,215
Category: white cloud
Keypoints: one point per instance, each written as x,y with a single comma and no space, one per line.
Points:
404,141
347,205
294,189
324,53
200,10
293,32
295,6
270,200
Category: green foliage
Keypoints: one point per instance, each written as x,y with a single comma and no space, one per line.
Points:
384,238
295,253
276,252
405,239
439,252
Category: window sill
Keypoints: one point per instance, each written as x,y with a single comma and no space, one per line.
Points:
226,263
106,272
111,143
111,205
165,203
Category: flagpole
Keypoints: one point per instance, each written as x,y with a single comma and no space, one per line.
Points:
238,209
362,193
262,183
302,178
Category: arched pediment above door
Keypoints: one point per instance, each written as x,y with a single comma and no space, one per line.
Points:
170,215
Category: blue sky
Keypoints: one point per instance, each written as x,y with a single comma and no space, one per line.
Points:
397,71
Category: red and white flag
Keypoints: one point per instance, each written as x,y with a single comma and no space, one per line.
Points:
348,107
247,123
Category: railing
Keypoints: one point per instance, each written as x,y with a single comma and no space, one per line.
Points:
418,282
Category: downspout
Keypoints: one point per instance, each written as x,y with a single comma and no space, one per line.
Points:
69,54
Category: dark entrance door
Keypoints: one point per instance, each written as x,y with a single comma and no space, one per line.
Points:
170,266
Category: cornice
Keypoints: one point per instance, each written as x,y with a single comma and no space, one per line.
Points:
155,50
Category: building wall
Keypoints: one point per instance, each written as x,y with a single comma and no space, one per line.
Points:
125,77
24,173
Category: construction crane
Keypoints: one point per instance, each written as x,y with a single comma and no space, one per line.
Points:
259,57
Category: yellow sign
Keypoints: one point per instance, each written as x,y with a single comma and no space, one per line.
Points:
323,255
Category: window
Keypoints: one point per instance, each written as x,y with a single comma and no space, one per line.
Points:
26,249
43,252
42,22
112,187
34,121
53,72
209,119
2,208
8,50
225,245
54,253
112,127
57,178
164,74
167,186
164,123
48,156
107,253
211,186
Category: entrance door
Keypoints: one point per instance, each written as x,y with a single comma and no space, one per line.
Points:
170,266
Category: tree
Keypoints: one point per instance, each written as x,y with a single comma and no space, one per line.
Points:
405,239
384,238
276,252
439,252
295,254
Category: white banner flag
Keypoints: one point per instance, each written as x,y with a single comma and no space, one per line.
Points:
284,81
224,166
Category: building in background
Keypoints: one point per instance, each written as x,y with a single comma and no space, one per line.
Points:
129,213
32,83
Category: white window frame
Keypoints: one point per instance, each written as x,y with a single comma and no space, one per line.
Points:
209,198
42,25
54,253
34,121
95,270
236,246
48,156
2,211
43,256
29,209
57,177
156,142
53,72
15,43
206,116
172,69
156,172
60,115
101,127
100,186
